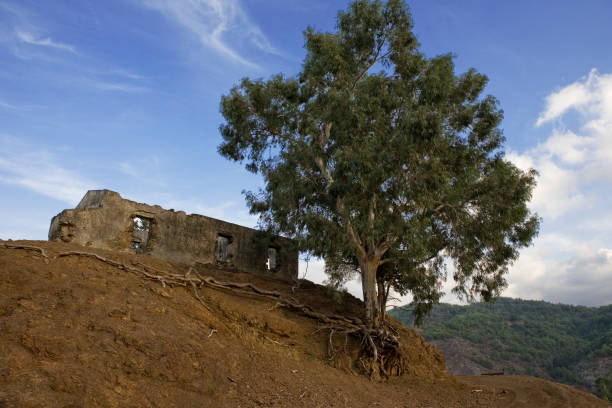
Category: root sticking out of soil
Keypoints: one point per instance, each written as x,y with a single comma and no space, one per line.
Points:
379,356
83,326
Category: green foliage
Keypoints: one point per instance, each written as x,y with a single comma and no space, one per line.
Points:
483,362
394,168
606,351
335,293
550,337
604,388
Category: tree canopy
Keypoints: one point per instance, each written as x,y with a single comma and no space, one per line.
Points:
383,161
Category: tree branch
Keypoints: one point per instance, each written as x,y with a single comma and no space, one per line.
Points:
369,66
349,228
385,261
324,136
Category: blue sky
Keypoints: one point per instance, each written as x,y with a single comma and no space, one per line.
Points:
124,95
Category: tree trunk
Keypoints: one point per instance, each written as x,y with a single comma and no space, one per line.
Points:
370,297
383,295
382,299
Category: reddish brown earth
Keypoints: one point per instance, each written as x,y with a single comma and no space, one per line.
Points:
78,332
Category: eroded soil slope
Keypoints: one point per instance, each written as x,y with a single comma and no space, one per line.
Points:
78,332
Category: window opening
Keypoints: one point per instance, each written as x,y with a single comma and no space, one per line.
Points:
272,263
141,233
141,224
224,248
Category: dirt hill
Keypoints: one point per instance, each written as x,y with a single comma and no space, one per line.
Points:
87,331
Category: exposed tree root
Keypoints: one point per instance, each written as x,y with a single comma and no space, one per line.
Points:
26,247
380,353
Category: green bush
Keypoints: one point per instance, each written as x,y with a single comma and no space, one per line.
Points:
336,295
604,388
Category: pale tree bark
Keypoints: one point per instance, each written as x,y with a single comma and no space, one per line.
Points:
383,295
369,266
382,301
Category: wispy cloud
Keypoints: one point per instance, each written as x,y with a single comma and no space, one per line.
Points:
6,105
114,86
216,23
44,42
18,107
149,173
39,170
121,73
227,211
146,170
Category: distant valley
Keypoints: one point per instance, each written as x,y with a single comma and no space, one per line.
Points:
564,343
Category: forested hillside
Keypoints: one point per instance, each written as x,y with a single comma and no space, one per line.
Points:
569,344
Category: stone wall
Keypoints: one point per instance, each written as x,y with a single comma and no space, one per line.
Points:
105,220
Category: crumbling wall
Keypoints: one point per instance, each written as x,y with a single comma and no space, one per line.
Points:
103,219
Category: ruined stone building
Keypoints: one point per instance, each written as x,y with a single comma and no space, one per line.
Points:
103,219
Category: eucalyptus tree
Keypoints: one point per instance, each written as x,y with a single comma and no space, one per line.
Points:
377,156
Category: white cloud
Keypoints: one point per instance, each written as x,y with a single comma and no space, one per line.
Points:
40,171
558,189
216,23
567,147
314,270
570,261
31,226
43,42
585,278
591,96
574,164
